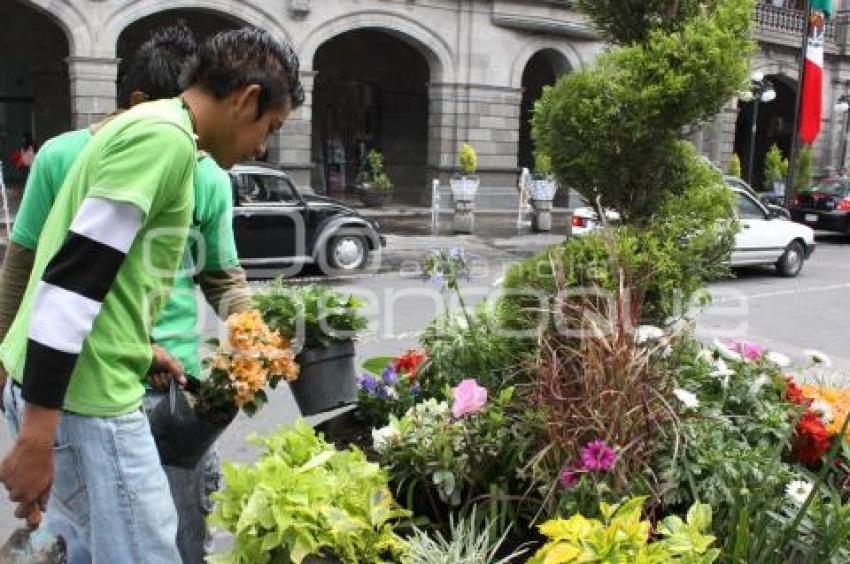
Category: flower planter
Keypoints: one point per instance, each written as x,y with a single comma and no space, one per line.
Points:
543,190
464,188
183,437
346,430
327,379
371,198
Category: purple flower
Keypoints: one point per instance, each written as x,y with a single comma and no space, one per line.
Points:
597,456
569,476
456,253
389,376
368,384
415,389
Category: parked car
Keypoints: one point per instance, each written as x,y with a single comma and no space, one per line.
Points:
825,206
584,219
275,224
766,237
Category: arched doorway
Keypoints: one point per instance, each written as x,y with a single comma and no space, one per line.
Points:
203,24
543,69
34,85
370,92
775,126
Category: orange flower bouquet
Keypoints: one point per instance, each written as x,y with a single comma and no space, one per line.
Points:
253,357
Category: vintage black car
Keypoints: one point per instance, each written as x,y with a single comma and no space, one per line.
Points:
277,225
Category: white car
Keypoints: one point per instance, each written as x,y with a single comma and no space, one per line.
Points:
765,236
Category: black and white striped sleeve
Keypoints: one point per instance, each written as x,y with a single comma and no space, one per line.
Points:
71,292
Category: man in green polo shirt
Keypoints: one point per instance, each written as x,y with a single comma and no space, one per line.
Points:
152,73
107,254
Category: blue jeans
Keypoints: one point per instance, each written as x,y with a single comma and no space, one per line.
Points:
109,491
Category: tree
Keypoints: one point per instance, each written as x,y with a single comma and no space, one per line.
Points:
773,166
805,169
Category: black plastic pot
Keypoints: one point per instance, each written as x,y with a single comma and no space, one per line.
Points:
327,378
182,437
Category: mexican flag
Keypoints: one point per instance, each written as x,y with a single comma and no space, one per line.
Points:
812,96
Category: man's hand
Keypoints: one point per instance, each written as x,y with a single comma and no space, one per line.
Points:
27,471
164,368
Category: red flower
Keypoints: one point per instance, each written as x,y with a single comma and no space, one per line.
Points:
794,393
409,363
812,440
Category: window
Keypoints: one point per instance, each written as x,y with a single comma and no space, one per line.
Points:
265,189
748,208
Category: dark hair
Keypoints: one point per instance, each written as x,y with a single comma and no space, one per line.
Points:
237,58
157,65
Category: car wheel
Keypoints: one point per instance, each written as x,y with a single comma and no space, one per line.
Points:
791,262
347,253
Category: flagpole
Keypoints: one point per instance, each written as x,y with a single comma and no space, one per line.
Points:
795,136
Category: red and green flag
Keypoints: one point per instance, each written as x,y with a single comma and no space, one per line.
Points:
811,103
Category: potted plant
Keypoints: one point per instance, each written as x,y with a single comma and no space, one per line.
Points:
324,323
775,170
374,186
305,501
543,190
464,187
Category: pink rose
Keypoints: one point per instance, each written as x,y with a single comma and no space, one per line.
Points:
469,398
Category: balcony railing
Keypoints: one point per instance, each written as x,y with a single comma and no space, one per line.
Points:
787,20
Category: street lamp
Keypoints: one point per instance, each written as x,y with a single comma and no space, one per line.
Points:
841,107
761,90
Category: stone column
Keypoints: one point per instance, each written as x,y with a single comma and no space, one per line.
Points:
487,117
291,148
93,89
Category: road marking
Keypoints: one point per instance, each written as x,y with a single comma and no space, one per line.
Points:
792,292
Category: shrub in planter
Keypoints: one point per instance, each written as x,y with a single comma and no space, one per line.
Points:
544,186
465,186
302,499
374,186
325,323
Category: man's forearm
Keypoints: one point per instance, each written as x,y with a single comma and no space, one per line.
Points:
13,283
226,291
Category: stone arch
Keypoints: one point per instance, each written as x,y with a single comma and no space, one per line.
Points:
436,51
70,19
135,10
564,57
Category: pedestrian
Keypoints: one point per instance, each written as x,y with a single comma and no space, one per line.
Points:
80,343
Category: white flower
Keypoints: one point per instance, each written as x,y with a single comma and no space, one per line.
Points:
778,359
706,355
392,393
798,491
384,437
689,399
726,352
721,371
823,409
817,357
758,384
646,333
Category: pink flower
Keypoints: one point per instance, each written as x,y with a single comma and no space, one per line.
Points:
569,476
748,350
469,398
598,457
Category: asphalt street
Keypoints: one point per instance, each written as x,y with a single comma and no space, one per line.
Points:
787,315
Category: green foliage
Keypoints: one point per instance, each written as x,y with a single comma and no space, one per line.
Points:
373,174
376,364
470,542
303,497
774,169
542,164
313,313
734,166
613,131
805,169
621,536
468,159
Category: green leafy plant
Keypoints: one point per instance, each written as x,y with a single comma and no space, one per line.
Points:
373,175
774,169
312,314
468,159
470,541
805,169
621,536
303,497
734,166
542,165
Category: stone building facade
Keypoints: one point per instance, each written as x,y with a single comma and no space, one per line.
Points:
412,78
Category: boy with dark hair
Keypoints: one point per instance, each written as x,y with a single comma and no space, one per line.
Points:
153,73
80,344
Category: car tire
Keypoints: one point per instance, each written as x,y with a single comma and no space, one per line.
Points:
346,254
791,262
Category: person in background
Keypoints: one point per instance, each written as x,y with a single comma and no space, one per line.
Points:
80,343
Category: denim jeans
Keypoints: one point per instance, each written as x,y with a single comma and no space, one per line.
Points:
191,491
109,494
